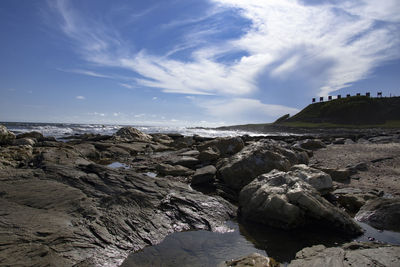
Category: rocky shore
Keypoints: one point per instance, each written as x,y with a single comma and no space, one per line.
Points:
91,200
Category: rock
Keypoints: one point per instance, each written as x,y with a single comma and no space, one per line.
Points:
186,161
339,175
339,141
320,180
210,154
363,141
350,254
349,142
284,200
183,142
88,151
24,142
255,260
64,213
226,145
383,214
205,175
362,166
176,170
6,137
129,134
162,139
255,159
190,153
352,199
34,135
312,144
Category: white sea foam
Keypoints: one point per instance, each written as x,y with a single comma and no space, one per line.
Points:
59,130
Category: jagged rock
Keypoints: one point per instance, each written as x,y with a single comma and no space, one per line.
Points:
320,180
284,200
350,254
381,213
24,142
255,260
183,142
352,199
226,145
129,134
176,170
311,144
6,137
35,135
204,175
255,159
66,213
209,154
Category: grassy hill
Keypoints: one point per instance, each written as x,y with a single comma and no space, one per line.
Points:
353,112
356,110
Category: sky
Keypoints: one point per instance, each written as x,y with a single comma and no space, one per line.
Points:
190,62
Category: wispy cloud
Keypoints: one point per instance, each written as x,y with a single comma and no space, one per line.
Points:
356,36
80,97
86,72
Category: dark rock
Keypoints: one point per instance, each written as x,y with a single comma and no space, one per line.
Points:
190,153
176,170
284,200
311,144
350,254
226,145
210,154
205,175
6,137
381,213
24,142
186,161
339,175
35,135
352,199
68,211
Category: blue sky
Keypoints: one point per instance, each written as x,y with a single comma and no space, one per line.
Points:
190,62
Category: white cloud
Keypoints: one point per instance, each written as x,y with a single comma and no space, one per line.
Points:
283,34
80,97
154,98
244,108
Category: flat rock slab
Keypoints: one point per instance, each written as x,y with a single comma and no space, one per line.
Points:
351,254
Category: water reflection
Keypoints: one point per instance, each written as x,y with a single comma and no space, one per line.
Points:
204,248
194,248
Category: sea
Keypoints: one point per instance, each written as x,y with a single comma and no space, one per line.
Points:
61,130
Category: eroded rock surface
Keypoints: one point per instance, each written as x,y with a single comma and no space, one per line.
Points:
381,213
62,209
255,159
350,254
285,200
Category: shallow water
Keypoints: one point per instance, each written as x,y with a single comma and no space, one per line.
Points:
204,248
117,165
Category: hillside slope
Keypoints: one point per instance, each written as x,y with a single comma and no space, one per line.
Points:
356,110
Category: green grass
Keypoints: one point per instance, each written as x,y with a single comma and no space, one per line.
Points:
299,124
